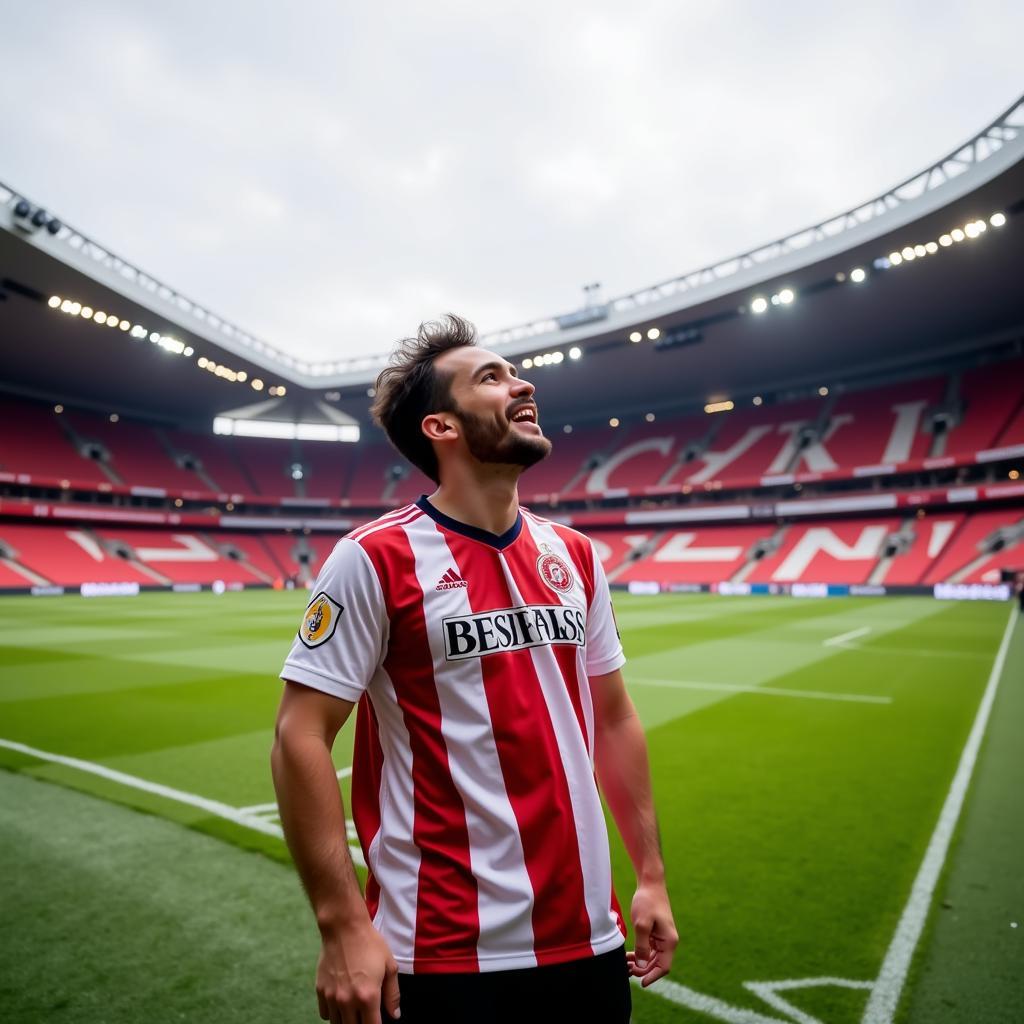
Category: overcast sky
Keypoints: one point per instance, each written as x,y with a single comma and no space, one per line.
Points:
328,174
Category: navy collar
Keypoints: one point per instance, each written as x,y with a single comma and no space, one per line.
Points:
494,540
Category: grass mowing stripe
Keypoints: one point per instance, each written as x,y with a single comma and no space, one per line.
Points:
214,807
770,691
111,916
885,995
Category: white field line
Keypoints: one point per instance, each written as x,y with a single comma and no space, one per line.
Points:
769,992
768,691
885,995
709,1005
838,641
239,816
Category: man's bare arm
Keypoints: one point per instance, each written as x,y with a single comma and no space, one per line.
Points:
355,965
623,772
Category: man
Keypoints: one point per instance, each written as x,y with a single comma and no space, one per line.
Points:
478,645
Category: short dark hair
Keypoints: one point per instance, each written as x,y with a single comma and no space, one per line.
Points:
409,388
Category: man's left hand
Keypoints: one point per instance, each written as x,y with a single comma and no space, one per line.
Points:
655,934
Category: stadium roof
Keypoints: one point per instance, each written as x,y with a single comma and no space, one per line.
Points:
960,297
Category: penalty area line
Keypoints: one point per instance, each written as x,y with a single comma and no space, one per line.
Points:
239,816
885,995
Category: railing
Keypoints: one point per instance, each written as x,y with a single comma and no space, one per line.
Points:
985,144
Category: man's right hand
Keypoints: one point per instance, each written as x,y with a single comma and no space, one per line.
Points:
356,976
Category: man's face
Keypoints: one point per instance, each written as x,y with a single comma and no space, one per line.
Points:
497,410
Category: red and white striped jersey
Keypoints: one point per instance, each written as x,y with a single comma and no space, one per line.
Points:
473,789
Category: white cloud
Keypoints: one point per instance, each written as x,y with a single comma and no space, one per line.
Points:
330,176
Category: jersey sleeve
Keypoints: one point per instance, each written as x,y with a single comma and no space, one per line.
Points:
604,649
343,634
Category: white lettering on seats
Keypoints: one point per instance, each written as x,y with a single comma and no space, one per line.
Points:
714,462
87,544
192,550
597,482
822,539
901,440
941,530
677,549
815,454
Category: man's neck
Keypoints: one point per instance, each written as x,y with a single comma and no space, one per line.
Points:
484,496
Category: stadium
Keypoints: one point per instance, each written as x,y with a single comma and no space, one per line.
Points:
801,469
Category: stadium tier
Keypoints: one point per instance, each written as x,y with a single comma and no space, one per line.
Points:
915,551
33,441
976,416
130,453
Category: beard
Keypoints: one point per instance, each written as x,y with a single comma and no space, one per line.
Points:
489,442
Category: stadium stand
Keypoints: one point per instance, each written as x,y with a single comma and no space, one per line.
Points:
381,476
186,557
133,452
67,557
883,426
564,469
299,556
215,461
326,468
989,397
32,441
267,463
914,547
646,455
986,543
713,553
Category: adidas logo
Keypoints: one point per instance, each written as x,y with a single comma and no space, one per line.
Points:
450,581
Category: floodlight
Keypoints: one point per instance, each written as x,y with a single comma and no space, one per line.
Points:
971,230
653,334
613,422
759,305
557,357
945,241
242,375
649,417
997,220
757,399
857,275
823,391
908,253
718,406
957,235
76,308
635,337
895,258
527,363
786,296
54,301
86,312
931,248
575,352
920,250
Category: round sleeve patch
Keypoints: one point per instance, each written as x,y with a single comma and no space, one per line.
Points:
320,620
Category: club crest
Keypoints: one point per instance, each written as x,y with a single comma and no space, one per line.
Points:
554,571
320,620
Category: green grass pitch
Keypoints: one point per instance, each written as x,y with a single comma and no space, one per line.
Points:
801,752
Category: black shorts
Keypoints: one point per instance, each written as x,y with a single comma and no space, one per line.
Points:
591,991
